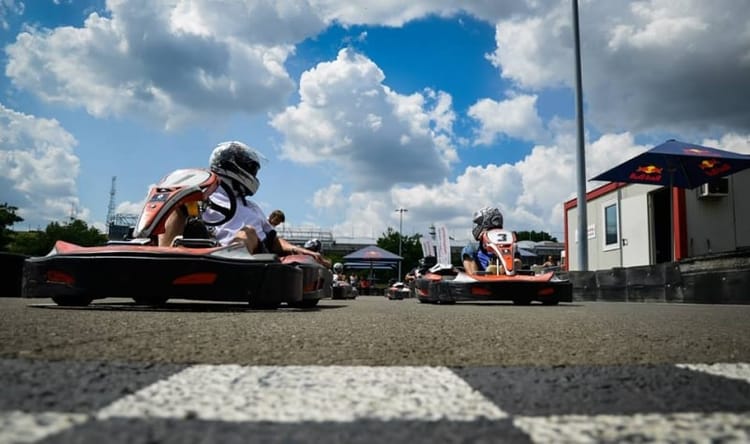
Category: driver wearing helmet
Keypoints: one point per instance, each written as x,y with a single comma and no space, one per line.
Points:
234,218
474,255
338,272
316,246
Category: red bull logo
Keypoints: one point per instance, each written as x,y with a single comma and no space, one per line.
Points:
697,151
714,167
647,173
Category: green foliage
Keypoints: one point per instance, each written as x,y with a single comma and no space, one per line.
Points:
8,217
536,236
37,243
411,248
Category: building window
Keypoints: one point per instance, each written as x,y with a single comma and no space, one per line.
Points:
611,229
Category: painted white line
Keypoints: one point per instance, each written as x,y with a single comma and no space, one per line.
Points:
308,393
677,427
739,371
21,427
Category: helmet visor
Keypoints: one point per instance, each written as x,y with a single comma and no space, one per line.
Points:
248,165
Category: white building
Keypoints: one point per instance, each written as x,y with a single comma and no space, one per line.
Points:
629,224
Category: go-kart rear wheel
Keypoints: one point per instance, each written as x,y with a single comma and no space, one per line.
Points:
551,301
153,301
72,301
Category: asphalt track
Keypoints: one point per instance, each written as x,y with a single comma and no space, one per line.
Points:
374,370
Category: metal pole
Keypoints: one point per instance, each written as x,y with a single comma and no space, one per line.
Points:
400,228
583,241
619,223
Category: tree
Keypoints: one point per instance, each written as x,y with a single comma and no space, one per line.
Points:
8,217
536,236
37,243
411,248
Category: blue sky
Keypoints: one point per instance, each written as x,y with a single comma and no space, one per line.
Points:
437,106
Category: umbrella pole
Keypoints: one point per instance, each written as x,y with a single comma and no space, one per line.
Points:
671,217
619,222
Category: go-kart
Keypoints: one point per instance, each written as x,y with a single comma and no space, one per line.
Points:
502,281
194,267
398,290
343,290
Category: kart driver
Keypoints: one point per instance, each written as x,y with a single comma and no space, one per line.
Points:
317,246
338,273
474,255
237,165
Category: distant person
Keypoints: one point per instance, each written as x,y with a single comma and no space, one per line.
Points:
338,273
411,275
550,262
276,217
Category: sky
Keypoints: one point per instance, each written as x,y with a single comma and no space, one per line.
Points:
360,108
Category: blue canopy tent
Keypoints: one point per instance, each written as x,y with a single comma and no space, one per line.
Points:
372,257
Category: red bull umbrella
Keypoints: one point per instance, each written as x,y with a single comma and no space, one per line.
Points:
678,164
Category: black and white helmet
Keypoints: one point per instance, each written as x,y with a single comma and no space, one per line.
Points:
486,218
338,267
237,163
314,245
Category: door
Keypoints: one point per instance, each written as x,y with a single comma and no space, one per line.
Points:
661,226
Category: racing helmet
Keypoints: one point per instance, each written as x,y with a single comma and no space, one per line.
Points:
237,163
314,245
338,267
486,218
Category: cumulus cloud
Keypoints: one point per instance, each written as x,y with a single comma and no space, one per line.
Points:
39,168
738,143
347,116
329,197
397,13
168,62
515,117
531,192
647,66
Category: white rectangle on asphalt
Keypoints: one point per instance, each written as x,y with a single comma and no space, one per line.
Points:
22,427
675,427
292,394
740,371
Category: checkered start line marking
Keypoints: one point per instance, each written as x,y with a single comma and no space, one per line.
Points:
342,394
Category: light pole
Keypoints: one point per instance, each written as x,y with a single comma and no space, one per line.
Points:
401,212
583,247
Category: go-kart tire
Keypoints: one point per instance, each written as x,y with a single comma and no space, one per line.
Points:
522,301
305,303
552,301
265,305
72,301
154,302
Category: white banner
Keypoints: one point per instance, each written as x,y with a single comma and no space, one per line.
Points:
428,248
443,245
